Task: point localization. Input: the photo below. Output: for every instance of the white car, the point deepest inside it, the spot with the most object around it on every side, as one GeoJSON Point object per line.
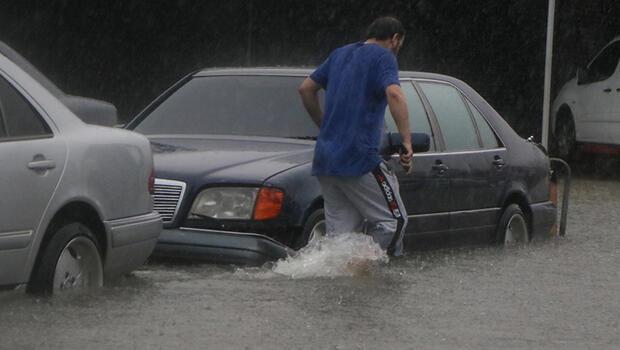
{"type": "Point", "coordinates": [75, 202]}
{"type": "Point", "coordinates": [587, 108]}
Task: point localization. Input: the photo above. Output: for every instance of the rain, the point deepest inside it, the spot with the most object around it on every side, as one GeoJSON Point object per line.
{"type": "Point", "coordinates": [447, 292]}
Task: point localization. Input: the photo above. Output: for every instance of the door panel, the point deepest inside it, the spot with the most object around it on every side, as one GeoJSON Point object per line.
{"type": "Point", "coordinates": [31, 161]}
{"type": "Point", "coordinates": [490, 171]}
{"type": "Point", "coordinates": [473, 156]}
{"type": "Point", "coordinates": [25, 193]}
{"type": "Point", "coordinates": [425, 192]}
{"type": "Point", "coordinates": [611, 133]}
{"type": "Point", "coordinates": [477, 185]}
{"type": "Point", "coordinates": [598, 112]}
{"type": "Point", "coordinates": [599, 98]}
{"type": "Point", "coordinates": [426, 195]}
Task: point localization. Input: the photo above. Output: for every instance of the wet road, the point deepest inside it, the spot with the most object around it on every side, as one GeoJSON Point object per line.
{"type": "Point", "coordinates": [559, 294]}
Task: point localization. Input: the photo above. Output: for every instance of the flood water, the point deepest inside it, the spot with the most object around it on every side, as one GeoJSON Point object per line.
{"type": "Point", "coordinates": [559, 294]}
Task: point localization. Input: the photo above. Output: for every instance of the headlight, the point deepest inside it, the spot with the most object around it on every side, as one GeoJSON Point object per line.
{"type": "Point", "coordinates": [225, 203]}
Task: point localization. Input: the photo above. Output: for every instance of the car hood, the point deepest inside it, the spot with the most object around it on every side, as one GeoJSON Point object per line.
{"type": "Point", "coordinates": [202, 160]}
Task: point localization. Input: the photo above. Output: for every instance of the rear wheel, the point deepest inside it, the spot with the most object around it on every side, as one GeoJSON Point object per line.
{"type": "Point", "coordinates": [513, 227]}
{"type": "Point", "coordinates": [70, 260]}
{"type": "Point", "coordinates": [314, 228]}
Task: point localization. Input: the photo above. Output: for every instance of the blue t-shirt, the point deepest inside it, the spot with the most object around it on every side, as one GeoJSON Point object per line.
{"type": "Point", "coordinates": [355, 78]}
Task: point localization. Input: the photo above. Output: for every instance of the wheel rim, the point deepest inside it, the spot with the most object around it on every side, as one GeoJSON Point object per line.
{"type": "Point", "coordinates": [318, 231]}
{"type": "Point", "coordinates": [78, 266]}
{"type": "Point", "coordinates": [516, 230]}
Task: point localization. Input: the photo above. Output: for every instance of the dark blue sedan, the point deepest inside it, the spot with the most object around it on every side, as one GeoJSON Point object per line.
{"type": "Point", "coordinates": [233, 151]}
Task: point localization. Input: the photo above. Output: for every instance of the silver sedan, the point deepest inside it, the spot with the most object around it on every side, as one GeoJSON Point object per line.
{"type": "Point", "coordinates": [75, 202]}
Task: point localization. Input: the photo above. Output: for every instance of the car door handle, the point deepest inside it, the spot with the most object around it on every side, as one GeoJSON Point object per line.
{"type": "Point", "coordinates": [441, 168]}
{"type": "Point", "coordinates": [499, 163]}
{"type": "Point", "coordinates": [608, 90]}
{"type": "Point", "coordinates": [42, 165]}
{"type": "Point", "coordinates": [618, 90]}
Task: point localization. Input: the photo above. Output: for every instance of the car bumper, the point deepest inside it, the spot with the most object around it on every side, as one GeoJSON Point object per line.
{"type": "Point", "coordinates": [219, 246]}
{"type": "Point", "coordinates": [131, 242]}
{"type": "Point", "coordinates": [544, 217]}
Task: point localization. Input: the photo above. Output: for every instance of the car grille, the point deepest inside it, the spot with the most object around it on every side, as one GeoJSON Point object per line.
{"type": "Point", "coordinates": [167, 198]}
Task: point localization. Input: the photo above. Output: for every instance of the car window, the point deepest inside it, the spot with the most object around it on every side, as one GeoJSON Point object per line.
{"type": "Point", "coordinates": [233, 105]}
{"type": "Point", "coordinates": [418, 119]}
{"type": "Point", "coordinates": [18, 117]}
{"type": "Point", "coordinates": [605, 64]}
{"type": "Point", "coordinates": [489, 139]}
{"type": "Point", "coordinates": [452, 115]}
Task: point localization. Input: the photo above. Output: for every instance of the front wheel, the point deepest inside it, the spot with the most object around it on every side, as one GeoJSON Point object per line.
{"type": "Point", "coordinates": [70, 260]}
{"type": "Point", "coordinates": [512, 227]}
{"type": "Point", "coordinates": [313, 229]}
{"type": "Point", "coordinates": [566, 138]}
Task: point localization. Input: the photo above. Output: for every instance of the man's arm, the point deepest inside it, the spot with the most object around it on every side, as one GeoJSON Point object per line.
{"type": "Point", "coordinates": [309, 92]}
{"type": "Point", "coordinates": [398, 107]}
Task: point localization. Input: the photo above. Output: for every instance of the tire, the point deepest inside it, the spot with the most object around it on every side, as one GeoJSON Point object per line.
{"type": "Point", "coordinates": [565, 133]}
{"type": "Point", "coordinates": [314, 226]}
{"type": "Point", "coordinates": [513, 227]}
{"type": "Point", "coordinates": [71, 259]}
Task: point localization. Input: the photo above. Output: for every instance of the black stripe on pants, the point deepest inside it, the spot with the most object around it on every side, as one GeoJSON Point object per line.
{"type": "Point", "coordinates": [392, 203]}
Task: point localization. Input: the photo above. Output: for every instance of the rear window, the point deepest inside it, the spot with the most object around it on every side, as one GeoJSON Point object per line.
{"type": "Point", "coordinates": [233, 105]}
{"type": "Point", "coordinates": [489, 140]}
{"type": "Point", "coordinates": [17, 116]}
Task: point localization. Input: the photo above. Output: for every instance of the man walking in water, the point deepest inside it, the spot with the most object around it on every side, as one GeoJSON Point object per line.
{"type": "Point", "coordinates": [360, 79]}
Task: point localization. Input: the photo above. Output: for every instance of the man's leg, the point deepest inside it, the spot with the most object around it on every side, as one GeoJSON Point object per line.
{"type": "Point", "coordinates": [376, 196]}
{"type": "Point", "coordinates": [341, 216]}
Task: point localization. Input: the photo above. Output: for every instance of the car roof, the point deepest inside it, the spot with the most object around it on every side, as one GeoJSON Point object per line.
{"type": "Point", "coordinates": [497, 121]}
{"type": "Point", "coordinates": [29, 68]}
{"type": "Point", "coordinates": [303, 72]}
{"type": "Point", "coordinates": [504, 130]}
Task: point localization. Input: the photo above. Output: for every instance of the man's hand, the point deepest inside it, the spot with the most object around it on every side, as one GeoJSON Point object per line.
{"type": "Point", "coordinates": [309, 92]}
{"type": "Point", "coordinates": [406, 158]}
{"type": "Point", "coordinates": [398, 107]}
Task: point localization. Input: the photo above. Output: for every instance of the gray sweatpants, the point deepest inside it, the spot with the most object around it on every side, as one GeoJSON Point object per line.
{"type": "Point", "coordinates": [373, 200]}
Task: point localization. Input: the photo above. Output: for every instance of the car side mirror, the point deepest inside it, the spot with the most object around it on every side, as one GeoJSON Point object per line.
{"type": "Point", "coordinates": [421, 142]}
{"type": "Point", "coordinates": [92, 111]}
{"type": "Point", "coordinates": [392, 143]}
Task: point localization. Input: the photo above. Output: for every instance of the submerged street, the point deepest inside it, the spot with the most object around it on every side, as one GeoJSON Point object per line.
{"type": "Point", "coordinates": [560, 294]}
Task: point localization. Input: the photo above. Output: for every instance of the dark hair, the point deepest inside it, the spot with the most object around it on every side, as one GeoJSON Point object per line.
{"type": "Point", "coordinates": [384, 28]}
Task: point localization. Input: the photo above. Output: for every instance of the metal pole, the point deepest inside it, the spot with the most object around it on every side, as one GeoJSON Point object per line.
{"type": "Point", "coordinates": [248, 53]}
{"type": "Point", "coordinates": [566, 194]}
{"type": "Point", "coordinates": [548, 63]}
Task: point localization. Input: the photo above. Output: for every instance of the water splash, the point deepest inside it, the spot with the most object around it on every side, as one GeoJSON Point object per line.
{"type": "Point", "coordinates": [349, 254]}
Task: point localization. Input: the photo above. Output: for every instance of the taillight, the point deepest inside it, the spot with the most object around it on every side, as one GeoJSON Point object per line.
{"type": "Point", "coordinates": [152, 181]}
{"type": "Point", "coordinates": [268, 203]}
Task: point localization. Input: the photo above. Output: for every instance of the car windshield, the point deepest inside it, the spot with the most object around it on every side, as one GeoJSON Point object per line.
{"type": "Point", "coordinates": [233, 105]}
